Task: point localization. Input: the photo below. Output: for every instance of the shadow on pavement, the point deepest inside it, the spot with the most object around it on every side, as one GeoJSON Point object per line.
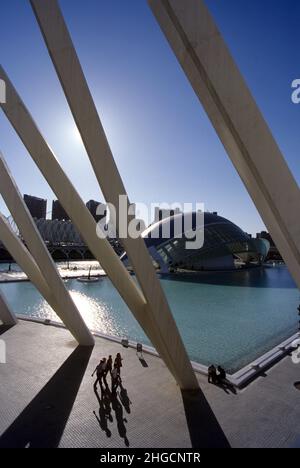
{"type": "Point", "coordinates": [204, 429]}
{"type": "Point", "coordinates": [143, 362]}
{"type": "Point", "coordinates": [43, 421]}
{"type": "Point", "coordinates": [116, 400]}
{"type": "Point", "coordinates": [5, 328]}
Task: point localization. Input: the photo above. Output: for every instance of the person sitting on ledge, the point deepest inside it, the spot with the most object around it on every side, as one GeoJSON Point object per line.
{"type": "Point", "coordinates": [212, 374]}
{"type": "Point", "coordinates": [221, 375]}
{"type": "Point", "coordinates": [223, 382]}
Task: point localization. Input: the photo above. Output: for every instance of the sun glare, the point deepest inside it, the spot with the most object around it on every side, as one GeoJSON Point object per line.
{"type": "Point", "coordinates": [75, 135]}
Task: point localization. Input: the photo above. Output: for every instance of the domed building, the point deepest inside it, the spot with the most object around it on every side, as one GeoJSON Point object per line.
{"type": "Point", "coordinates": [225, 247]}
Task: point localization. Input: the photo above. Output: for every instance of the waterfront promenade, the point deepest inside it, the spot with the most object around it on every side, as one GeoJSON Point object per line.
{"type": "Point", "coordinates": [47, 399]}
{"type": "Point", "coordinates": [67, 270]}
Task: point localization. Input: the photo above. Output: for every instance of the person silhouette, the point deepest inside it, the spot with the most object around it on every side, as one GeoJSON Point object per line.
{"type": "Point", "coordinates": [212, 374]}
{"type": "Point", "coordinates": [118, 363]}
{"type": "Point", "coordinates": [99, 372]}
{"type": "Point", "coordinates": [118, 409]}
{"type": "Point", "coordinates": [108, 368]}
{"type": "Point", "coordinates": [115, 379]}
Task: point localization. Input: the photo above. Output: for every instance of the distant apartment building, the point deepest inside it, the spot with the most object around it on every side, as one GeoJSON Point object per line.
{"type": "Point", "coordinates": [58, 212]}
{"type": "Point", "coordinates": [92, 206]}
{"type": "Point", "coordinates": [36, 206]}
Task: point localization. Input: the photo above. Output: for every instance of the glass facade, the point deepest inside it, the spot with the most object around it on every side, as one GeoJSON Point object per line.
{"type": "Point", "coordinates": [225, 246]}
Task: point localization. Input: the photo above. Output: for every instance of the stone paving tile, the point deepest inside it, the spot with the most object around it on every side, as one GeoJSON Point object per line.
{"type": "Point", "coordinates": [46, 393]}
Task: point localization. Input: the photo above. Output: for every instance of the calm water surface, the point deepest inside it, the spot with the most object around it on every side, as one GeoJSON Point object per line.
{"type": "Point", "coordinates": [224, 318]}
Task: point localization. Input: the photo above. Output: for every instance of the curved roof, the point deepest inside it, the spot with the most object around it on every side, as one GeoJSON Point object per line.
{"type": "Point", "coordinates": [223, 241]}
{"type": "Point", "coordinates": [153, 235]}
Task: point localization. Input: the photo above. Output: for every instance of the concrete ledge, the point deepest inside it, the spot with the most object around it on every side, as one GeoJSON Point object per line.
{"type": "Point", "coordinates": [239, 379]}
{"type": "Point", "coordinates": [249, 372]}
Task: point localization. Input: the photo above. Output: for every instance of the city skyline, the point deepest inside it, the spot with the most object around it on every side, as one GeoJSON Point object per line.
{"type": "Point", "coordinates": [162, 155]}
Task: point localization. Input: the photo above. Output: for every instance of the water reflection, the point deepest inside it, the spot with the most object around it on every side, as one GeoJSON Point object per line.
{"type": "Point", "coordinates": [228, 319]}
{"type": "Point", "coordinates": [264, 277]}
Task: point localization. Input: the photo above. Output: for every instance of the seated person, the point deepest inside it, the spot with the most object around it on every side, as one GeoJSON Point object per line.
{"type": "Point", "coordinates": [212, 374]}
{"type": "Point", "coordinates": [221, 374]}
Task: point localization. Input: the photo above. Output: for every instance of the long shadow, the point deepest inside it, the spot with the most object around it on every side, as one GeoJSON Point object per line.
{"type": "Point", "coordinates": [43, 421]}
{"type": "Point", "coordinates": [5, 328]}
{"type": "Point", "coordinates": [204, 429]}
{"type": "Point", "coordinates": [121, 421]}
{"type": "Point", "coordinates": [143, 362]}
{"type": "Point", "coordinates": [104, 411]}
{"type": "Point", "coordinates": [114, 400]}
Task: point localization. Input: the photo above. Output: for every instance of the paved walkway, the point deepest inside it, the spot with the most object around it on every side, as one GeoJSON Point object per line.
{"type": "Point", "coordinates": [47, 400]}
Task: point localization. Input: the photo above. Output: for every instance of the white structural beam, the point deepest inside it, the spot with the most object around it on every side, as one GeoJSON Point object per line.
{"type": "Point", "coordinates": [24, 259]}
{"type": "Point", "coordinates": [218, 83]}
{"type": "Point", "coordinates": [66, 308]}
{"type": "Point", "coordinates": [21, 120]}
{"type": "Point", "coordinates": [7, 317]}
{"type": "Point", "coordinates": [69, 71]}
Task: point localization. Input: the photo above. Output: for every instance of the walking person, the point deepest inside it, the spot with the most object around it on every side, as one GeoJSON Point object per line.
{"type": "Point", "coordinates": [109, 364]}
{"type": "Point", "coordinates": [118, 364]}
{"type": "Point", "coordinates": [99, 372]}
{"type": "Point", "coordinates": [115, 379]}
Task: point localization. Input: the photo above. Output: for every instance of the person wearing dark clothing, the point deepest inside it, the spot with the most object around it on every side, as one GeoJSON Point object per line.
{"type": "Point", "coordinates": [108, 368]}
{"type": "Point", "coordinates": [100, 369]}
{"type": "Point", "coordinates": [223, 382]}
{"type": "Point", "coordinates": [212, 374]}
{"type": "Point", "coordinates": [118, 363]}
{"type": "Point", "coordinates": [221, 374]}
{"type": "Point", "coordinates": [115, 379]}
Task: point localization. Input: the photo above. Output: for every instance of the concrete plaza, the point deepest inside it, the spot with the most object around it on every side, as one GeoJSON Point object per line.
{"type": "Point", "coordinates": [47, 399]}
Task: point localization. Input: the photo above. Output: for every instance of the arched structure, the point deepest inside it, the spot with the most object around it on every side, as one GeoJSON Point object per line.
{"type": "Point", "coordinates": [225, 246]}
{"type": "Point", "coordinates": [219, 85]}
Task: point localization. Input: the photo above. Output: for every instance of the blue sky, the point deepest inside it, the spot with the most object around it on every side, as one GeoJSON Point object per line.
{"type": "Point", "coordinates": [163, 142]}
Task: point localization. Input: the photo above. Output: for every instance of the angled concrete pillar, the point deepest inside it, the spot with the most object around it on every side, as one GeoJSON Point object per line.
{"type": "Point", "coordinates": [24, 259]}
{"type": "Point", "coordinates": [7, 317]}
{"type": "Point", "coordinates": [66, 308]}
{"type": "Point", "coordinates": [71, 76]}
{"type": "Point", "coordinates": [212, 72]}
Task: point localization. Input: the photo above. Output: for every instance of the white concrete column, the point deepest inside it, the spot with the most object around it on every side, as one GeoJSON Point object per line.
{"type": "Point", "coordinates": [24, 259]}
{"type": "Point", "coordinates": [71, 76]}
{"type": "Point", "coordinates": [218, 83]}
{"type": "Point", "coordinates": [66, 308]}
{"type": "Point", "coordinates": [7, 317]}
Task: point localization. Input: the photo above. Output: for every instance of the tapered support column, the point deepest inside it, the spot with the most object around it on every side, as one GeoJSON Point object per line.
{"type": "Point", "coordinates": [208, 64]}
{"type": "Point", "coordinates": [24, 259]}
{"type": "Point", "coordinates": [7, 317]}
{"type": "Point", "coordinates": [71, 76]}
{"type": "Point", "coordinates": [66, 308]}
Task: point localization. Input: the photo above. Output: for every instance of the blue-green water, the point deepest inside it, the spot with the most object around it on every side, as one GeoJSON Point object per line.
{"type": "Point", "coordinates": [224, 318]}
